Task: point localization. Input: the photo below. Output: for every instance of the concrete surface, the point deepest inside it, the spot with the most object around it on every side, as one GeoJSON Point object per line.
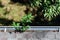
{"type": "Point", "coordinates": [38, 35]}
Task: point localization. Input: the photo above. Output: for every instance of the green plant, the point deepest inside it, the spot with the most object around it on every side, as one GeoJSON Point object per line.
{"type": "Point", "coordinates": [35, 3]}
{"type": "Point", "coordinates": [16, 25]}
{"type": "Point", "coordinates": [20, 28]}
{"type": "Point", "coordinates": [50, 8]}
{"type": "Point", "coordinates": [24, 28]}
{"type": "Point", "coordinates": [25, 19]}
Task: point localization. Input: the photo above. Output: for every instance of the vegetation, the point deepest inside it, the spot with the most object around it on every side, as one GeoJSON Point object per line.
{"type": "Point", "coordinates": [50, 8]}
{"type": "Point", "coordinates": [29, 12]}
{"type": "Point", "coordinates": [11, 11]}
{"type": "Point", "coordinates": [25, 19]}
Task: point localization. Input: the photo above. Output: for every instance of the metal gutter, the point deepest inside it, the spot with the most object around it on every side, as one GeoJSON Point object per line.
{"type": "Point", "coordinates": [32, 28]}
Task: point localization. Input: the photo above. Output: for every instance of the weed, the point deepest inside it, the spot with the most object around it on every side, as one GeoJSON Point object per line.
{"type": "Point", "coordinates": [25, 19]}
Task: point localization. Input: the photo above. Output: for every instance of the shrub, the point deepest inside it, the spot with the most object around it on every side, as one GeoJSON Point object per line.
{"type": "Point", "coordinates": [50, 8]}
{"type": "Point", "coordinates": [10, 11]}
{"type": "Point", "coordinates": [35, 3]}
{"type": "Point", "coordinates": [26, 19]}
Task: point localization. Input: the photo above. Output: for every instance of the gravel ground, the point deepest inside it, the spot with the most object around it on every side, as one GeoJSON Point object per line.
{"type": "Point", "coordinates": [38, 35]}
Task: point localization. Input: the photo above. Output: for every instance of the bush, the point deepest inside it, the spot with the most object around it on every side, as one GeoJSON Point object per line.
{"type": "Point", "coordinates": [26, 19]}
{"type": "Point", "coordinates": [50, 8]}
{"type": "Point", "coordinates": [11, 12]}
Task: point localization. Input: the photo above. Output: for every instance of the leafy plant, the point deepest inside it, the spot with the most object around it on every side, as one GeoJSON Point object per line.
{"type": "Point", "coordinates": [25, 19]}
{"type": "Point", "coordinates": [35, 3]}
{"type": "Point", "coordinates": [50, 8]}
{"type": "Point", "coordinates": [51, 12]}
{"type": "Point", "coordinates": [24, 28]}
{"type": "Point", "coordinates": [16, 25]}
{"type": "Point", "coordinates": [20, 28]}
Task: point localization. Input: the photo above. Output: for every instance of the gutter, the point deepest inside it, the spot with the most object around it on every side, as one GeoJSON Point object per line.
{"type": "Point", "coordinates": [35, 28]}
